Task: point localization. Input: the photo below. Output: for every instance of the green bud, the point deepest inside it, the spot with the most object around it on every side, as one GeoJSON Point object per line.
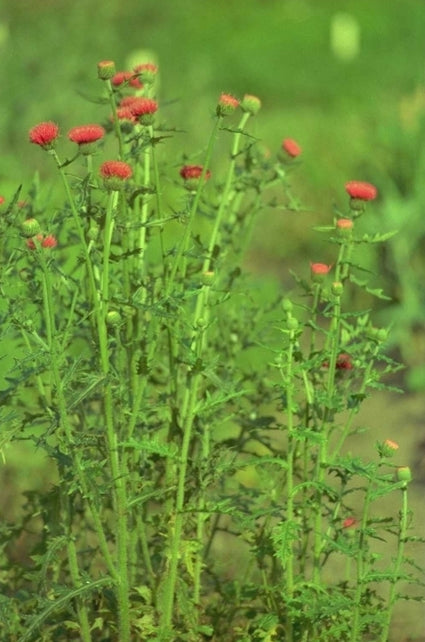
{"type": "Point", "coordinates": [113, 319]}
{"type": "Point", "coordinates": [30, 228]}
{"type": "Point", "coordinates": [403, 473]}
{"type": "Point", "coordinates": [292, 323]}
{"type": "Point", "coordinates": [287, 305]}
{"type": "Point", "coordinates": [337, 288]}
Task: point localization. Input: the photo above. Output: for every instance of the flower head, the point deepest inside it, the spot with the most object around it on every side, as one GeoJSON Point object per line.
{"type": "Point", "coordinates": [319, 271]}
{"type": "Point", "coordinates": [146, 72]}
{"type": "Point", "coordinates": [251, 104]}
{"type": "Point", "coordinates": [388, 448]}
{"type": "Point", "coordinates": [115, 173]}
{"type": "Point", "coordinates": [193, 171]}
{"type": "Point", "coordinates": [105, 69]}
{"type": "Point", "coordinates": [361, 191]}
{"type": "Point", "coordinates": [45, 242]}
{"type": "Point", "coordinates": [44, 134]}
{"type": "Point", "coordinates": [227, 104]}
{"type": "Point", "coordinates": [143, 109]}
{"type": "Point", "coordinates": [404, 474]}
{"type": "Point", "coordinates": [2, 200]}
{"type": "Point", "coordinates": [86, 134]}
{"type": "Point", "coordinates": [291, 147]}
{"type": "Point", "coordinates": [191, 175]}
{"type": "Point", "coordinates": [343, 362]}
{"type": "Point", "coordinates": [350, 522]}
{"type": "Point", "coordinates": [121, 77]}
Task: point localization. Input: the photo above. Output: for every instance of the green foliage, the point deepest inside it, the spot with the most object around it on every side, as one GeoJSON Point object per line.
{"type": "Point", "coordinates": [185, 413]}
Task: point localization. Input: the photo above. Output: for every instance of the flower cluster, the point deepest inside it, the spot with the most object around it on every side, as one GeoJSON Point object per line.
{"type": "Point", "coordinates": [45, 242]}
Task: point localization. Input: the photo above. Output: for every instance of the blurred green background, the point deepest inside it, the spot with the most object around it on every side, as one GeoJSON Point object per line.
{"type": "Point", "coordinates": [346, 79]}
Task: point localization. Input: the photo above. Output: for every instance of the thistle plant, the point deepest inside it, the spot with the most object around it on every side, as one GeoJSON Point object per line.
{"type": "Point", "coordinates": [184, 413]}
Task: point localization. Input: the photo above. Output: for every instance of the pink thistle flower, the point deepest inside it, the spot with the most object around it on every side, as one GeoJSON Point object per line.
{"type": "Point", "coordinates": [84, 134]}
{"type": "Point", "coordinates": [44, 134]}
{"type": "Point", "coordinates": [361, 191]}
{"type": "Point", "coordinates": [291, 147]}
{"type": "Point", "coordinates": [227, 104]}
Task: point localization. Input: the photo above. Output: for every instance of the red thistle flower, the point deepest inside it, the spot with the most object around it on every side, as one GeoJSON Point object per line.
{"type": "Point", "coordinates": [344, 224]}
{"type": "Point", "coordinates": [291, 147]}
{"type": "Point", "coordinates": [140, 106]}
{"type": "Point", "coordinates": [116, 169]}
{"type": "Point", "coordinates": [319, 271]}
{"type": "Point", "coordinates": [143, 109]}
{"type": "Point", "coordinates": [193, 171]}
{"type": "Point", "coordinates": [350, 522]}
{"type": "Point", "coordinates": [361, 191]}
{"type": "Point", "coordinates": [44, 134]}
{"type": "Point", "coordinates": [2, 200]}
{"type": "Point", "coordinates": [85, 134]}
{"type": "Point", "coordinates": [146, 72]}
{"type": "Point", "coordinates": [125, 113]}
{"type": "Point", "coordinates": [392, 445]}
{"type": "Point", "coordinates": [115, 173]}
{"type": "Point", "coordinates": [121, 77]}
{"type": "Point", "coordinates": [343, 362]}
{"type": "Point", "coordinates": [48, 241]}
{"type": "Point", "coordinates": [227, 104]}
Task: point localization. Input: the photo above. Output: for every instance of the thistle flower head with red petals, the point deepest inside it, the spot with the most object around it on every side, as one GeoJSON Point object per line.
{"type": "Point", "coordinates": [115, 173]}
{"type": "Point", "coordinates": [85, 134]}
{"type": "Point", "coordinates": [227, 104]}
{"type": "Point", "coordinates": [361, 191]}
{"type": "Point", "coordinates": [291, 147]}
{"type": "Point", "coordinates": [44, 134]}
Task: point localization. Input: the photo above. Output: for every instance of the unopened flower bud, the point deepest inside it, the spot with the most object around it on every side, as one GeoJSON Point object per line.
{"type": "Point", "coordinates": [113, 318]}
{"type": "Point", "coordinates": [404, 474]}
{"type": "Point", "coordinates": [388, 448]}
{"type": "Point", "coordinates": [319, 271]}
{"type": "Point", "coordinates": [337, 288]}
{"type": "Point", "coordinates": [207, 278]}
{"type": "Point", "coordinates": [292, 323]}
{"type": "Point", "coordinates": [227, 104]}
{"type": "Point", "coordinates": [251, 104]}
{"type": "Point", "coordinates": [344, 227]}
{"type": "Point", "coordinates": [30, 227]}
{"type": "Point", "coordinates": [287, 305]}
{"type": "Point", "coordinates": [105, 69]}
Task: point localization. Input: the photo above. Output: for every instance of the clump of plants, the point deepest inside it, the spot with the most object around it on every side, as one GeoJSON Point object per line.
{"type": "Point", "coordinates": [196, 426]}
